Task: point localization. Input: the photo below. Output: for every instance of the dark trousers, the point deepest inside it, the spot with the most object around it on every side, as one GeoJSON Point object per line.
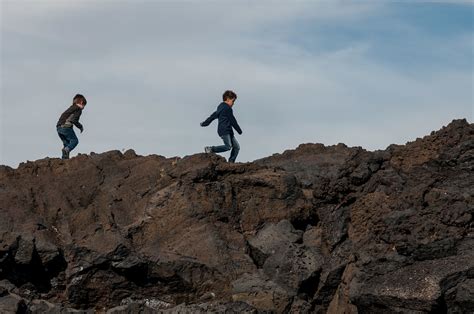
{"type": "Point", "coordinates": [230, 142]}
{"type": "Point", "coordinates": [68, 137]}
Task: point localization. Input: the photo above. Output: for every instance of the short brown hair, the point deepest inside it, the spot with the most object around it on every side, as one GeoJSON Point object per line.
{"type": "Point", "coordinates": [79, 98]}
{"type": "Point", "coordinates": [228, 94]}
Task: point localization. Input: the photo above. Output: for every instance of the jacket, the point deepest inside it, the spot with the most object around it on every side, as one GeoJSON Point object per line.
{"type": "Point", "coordinates": [70, 117]}
{"type": "Point", "coordinates": [227, 121]}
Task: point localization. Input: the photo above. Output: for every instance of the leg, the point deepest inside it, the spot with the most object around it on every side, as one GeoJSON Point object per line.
{"type": "Point", "coordinates": [62, 137]}
{"type": "Point", "coordinates": [235, 149]}
{"type": "Point", "coordinates": [223, 148]}
{"type": "Point", "coordinates": [69, 139]}
{"type": "Point", "coordinates": [73, 140]}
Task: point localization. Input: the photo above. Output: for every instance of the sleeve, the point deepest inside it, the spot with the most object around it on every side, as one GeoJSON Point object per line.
{"type": "Point", "coordinates": [75, 119]}
{"type": "Point", "coordinates": [210, 119]}
{"type": "Point", "coordinates": [235, 125]}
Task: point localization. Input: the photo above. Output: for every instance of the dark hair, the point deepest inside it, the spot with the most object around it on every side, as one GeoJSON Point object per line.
{"type": "Point", "coordinates": [228, 94]}
{"type": "Point", "coordinates": [79, 98]}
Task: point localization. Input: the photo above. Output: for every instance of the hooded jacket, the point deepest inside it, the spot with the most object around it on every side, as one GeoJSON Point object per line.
{"type": "Point", "coordinates": [227, 121]}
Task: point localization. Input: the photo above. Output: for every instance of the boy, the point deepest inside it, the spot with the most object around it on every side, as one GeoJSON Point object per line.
{"type": "Point", "coordinates": [227, 123]}
{"type": "Point", "coordinates": [64, 126]}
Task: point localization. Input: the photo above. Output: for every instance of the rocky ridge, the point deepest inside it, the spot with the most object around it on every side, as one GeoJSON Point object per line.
{"type": "Point", "coordinates": [313, 230]}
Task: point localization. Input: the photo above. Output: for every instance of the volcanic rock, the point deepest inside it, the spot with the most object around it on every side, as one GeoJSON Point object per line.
{"type": "Point", "coordinates": [312, 230]}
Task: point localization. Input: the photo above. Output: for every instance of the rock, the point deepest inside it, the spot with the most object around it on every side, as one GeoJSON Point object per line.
{"type": "Point", "coordinates": [295, 269]}
{"type": "Point", "coordinates": [335, 221]}
{"type": "Point", "coordinates": [340, 301]}
{"type": "Point", "coordinates": [271, 238]}
{"type": "Point", "coordinates": [313, 238]}
{"type": "Point", "coordinates": [24, 252]}
{"type": "Point", "coordinates": [47, 252]}
{"type": "Point", "coordinates": [300, 307]}
{"type": "Point", "coordinates": [461, 298]}
{"type": "Point", "coordinates": [230, 307]}
{"type": "Point", "coordinates": [261, 293]}
{"type": "Point", "coordinates": [318, 228]}
{"type": "Point", "coordinates": [11, 303]}
{"type": "Point", "coordinates": [132, 308]}
{"type": "Point", "coordinates": [418, 287]}
{"type": "Point", "coordinates": [6, 287]}
{"type": "Point", "coordinates": [150, 305]}
{"type": "Point", "coordinates": [41, 306]}
{"type": "Point", "coordinates": [328, 283]}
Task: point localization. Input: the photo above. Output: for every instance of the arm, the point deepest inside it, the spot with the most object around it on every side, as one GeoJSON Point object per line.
{"type": "Point", "coordinates": [79, 126]}
{"type": "Point", "coordinates": [235, 125]}
{"type": "Point", "coordinates": [210, 119]}
{"type": "Point", "coordinates": [75, 120]}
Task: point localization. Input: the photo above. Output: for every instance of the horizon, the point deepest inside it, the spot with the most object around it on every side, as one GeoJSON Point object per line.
{"type": "Point", "coordinates": [123, 151]}
{"type": "Point", "coordinates": [367, 74]}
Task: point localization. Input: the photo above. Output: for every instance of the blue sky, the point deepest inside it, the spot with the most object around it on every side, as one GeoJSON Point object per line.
{"type": "Point", "coordinates": [406, 36]}
{"type": "Point", "coordinates": [365, 73]}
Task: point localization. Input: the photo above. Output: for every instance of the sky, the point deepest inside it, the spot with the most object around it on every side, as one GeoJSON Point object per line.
{"type": "Point", "coordinates": [363, 73]}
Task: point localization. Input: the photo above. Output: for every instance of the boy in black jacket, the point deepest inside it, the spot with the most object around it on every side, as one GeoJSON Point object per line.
{"type": "Point", "coordinates": [64, 126]}
{"type": "Point", "coordinates": [227, 123]}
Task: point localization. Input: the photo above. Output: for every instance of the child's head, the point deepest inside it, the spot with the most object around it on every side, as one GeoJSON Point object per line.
{"type": "Point", "coordinates": [229, 97]}
{"type": "Point", "coordinates": [79, 100]}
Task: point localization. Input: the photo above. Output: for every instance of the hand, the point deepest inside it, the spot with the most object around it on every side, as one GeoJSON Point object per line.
{"type": "Point", "coordinates": [81, 129]}
{"type": "Point", "coordinates": [240, 133]}
{"type": "Point", "coordinates": [202, 124]}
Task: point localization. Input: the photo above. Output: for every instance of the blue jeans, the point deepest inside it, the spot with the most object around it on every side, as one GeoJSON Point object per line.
{"type": "Point", "coordinates": [68, 137]}
{"type": "Point", "coordinates": [230, 142]}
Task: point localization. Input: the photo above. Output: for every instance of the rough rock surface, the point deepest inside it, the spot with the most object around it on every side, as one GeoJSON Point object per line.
{"type": "Point", "coordinates": [313, 230]}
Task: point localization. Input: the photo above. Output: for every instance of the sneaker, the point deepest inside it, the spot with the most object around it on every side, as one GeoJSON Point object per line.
{"type": "Point", "coordinates": [208, 149]}
{"type": "Point", "coordinates": [65, 151]}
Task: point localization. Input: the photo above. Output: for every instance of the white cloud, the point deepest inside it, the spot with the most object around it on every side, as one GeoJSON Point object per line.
{"type": "Point", "coordinates": [153, 70]}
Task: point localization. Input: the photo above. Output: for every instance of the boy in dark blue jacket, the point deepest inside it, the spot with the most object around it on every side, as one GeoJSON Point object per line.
{"type": "Point", "coordinates": [227, 123]}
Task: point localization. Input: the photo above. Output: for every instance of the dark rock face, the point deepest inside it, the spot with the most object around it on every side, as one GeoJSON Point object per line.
{"type": "Point", "coordinates": [313, 230]}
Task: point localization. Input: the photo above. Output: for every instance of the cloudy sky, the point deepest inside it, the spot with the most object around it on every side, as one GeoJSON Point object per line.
{"type": "Point", "coordinates": [365, 73]}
